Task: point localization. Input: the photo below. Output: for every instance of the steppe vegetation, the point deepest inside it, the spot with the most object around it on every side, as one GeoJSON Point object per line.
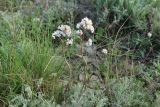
{"type": "Point", "coordinates": [80, 53]}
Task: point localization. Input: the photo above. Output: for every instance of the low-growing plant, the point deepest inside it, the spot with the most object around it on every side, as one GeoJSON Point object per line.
{"type": "Point", "coordinates": [128, 92]}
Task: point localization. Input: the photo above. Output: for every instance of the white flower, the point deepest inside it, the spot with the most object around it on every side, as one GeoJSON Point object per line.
{"type": "Point", "coordinates": [57, 33]}
{"type": "Point", "coordinates": [105, 51]}
{"type": "Point", "coordinates": [54, 37]}
{"type": "Point", "coordinates": [78, 26]}
{"type": "Point", "coordinates": [86, 24]}
{"type": "Point", "coordinates": [89, 42]}
{"type": "Point", "coordinates": [149, 34]}
{"type": "Point", "coordinates": [65, 29]}
{"type": "Point", "coordinates": [79, 32]}
{"type": "Point", "coordinates": [69, 41]}
{"type": "Point", "coordinates": [87, 21]}
{"type": "Point", "coordinates": [91, 28]}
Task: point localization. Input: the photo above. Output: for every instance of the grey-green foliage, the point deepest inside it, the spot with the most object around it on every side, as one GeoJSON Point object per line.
{"type": "Point", "coordinates": [28, 99]}
{"type": "Point", "coordinates": [59, 12]}
{"type": "Point", "coordinates": [120, 10]}
{"type": "Point", "coordinates": [128, 92]}
{"type": "Point", "coordinates": [5, 4]}
{"type": "Point", "coordinates": [156, 18]}
{"type": "Point", "coordinates": [157, 101]}
{"type": "Point", "coordinates": [79, 96]}
{"type": "Point", "coordinates": [137, 18]}
{"type": "Point", "coordinates": [82, 96]}
{"type": "Point", "coordinates": [21, 101]}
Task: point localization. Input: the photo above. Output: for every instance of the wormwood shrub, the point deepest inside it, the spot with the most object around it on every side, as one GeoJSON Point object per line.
{"type": "Point", "coordinates": [85, 97]}
{"type": "Point", "coordinates": [128, 92]}
{"type": "Point", "coordinates": [124, 92]}
{"type": "Point", "coordinates": [78, 96]}
{"type": "Point", "coordinates": [30, 100]}
{"type": "Point", "coordinates": [157, 101]}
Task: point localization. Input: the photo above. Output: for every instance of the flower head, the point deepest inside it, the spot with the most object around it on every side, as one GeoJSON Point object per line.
{"type": "Point", "coordinates": [57, 33]}
{"type": "Point", "coordinates": [149, 34]}
{"type": "Point", "coordinates": [78, 26]}
{"type": "Point", "coordinates": [79, 32]}
{"type": "Point", "coordinates": [91, 28]}
{"type": "Point", "coordinates": [89, 42]}
{"type": "Point", "coordinates": [86, 24]}
{"type": "Point", "coordinates": [105, 51]}
{"type": "Point", "coordinates": [65, 29]}
{"type": "Point", "coordinates": [69, 41]}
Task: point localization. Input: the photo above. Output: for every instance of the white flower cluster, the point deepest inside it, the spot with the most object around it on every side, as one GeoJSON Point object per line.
{"type": "Point", "coordinates": [86, 24]}
{"type": "Point", "coordinates": [79, 32]}
{"type": "Point", "coordinates": [89, 42]}
{"type": "Point", "coordinates": [63, 30]}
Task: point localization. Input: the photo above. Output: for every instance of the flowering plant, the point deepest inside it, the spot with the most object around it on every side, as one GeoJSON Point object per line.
{"type": "Point", "coordinates": [63, 31]}
{"type": "Point", "coordinates": [85, 30]}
